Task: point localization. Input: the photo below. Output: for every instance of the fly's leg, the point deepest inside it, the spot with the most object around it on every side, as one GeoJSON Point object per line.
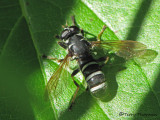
{"type": "Point", "coordinates": [51, 58]}
{"type": "Point", "coordinates": [107, 59]}
{"type": "Point", "coordinates": [62, 44]}
{"type": "Point", "coordinates": [103, 59]}
{"type": "Point", "coordinates": [100, 34]}
{"type": "Point", "coordinates": [77, 89]}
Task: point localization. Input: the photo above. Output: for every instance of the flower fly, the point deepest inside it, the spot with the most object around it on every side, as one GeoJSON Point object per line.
{"type": "Point", "coordinates": [72, 39]}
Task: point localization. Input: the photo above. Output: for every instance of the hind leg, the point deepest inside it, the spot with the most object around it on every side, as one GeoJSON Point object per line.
{"type": "Point", "coordinates": [100, 34]}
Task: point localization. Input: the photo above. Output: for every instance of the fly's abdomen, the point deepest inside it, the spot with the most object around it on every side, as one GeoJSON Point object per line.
{"type": "Point", "coordinates": [97, 84]}
{"type": "Point", "coordinates": [95, 78]}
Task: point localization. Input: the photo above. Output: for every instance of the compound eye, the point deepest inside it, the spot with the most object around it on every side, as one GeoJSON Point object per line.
{"type": "Point", "coordinates": [64, 33]}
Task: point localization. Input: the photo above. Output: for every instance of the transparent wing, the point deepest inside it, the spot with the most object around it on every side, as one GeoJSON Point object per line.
{"type": "Point", "coordinates": [57, 80]}
{"type": "Point", "coordinates": [127, 49]}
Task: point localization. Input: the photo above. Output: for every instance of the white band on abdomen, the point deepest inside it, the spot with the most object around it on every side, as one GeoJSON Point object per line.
{"type": "Point", "coordinates": [93, 74]}
{"type": "Point", "coordinates": [98, 87]}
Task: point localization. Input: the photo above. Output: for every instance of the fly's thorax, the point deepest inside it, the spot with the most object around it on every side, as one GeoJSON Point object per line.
{"type": "Point", "coordinates": [78, 46]}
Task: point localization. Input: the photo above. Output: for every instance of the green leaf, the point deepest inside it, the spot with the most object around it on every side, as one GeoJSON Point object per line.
{"type": "Point", "coordinates": [27, 30]}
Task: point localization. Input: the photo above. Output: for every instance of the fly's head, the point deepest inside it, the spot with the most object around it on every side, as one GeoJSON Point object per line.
{"type": "Point", "coordinates": [69, 32]}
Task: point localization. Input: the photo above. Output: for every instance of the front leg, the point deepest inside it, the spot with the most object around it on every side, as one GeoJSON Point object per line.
{"type": "Point", "coordinates": [63, 44]}
{"type": "Point", "coordinates": [51, 58]}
